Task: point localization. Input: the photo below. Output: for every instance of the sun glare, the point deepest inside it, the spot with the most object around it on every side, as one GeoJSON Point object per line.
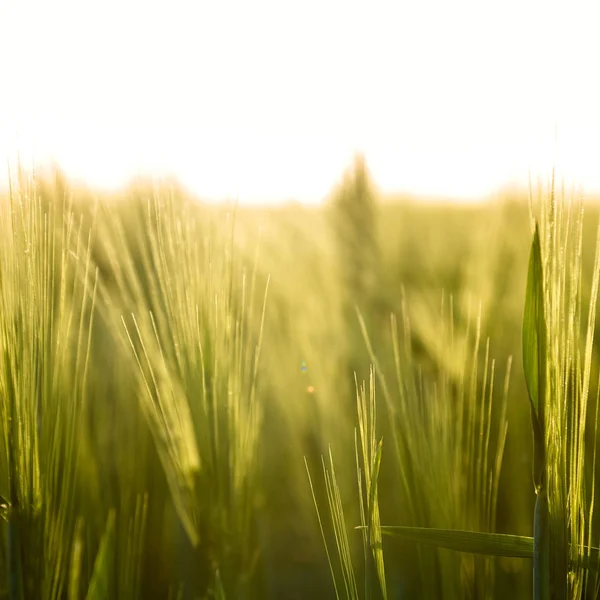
{"type": "Point", "coordinates": [268, 100]}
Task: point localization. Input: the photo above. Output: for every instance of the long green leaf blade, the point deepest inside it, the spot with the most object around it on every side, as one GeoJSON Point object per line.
{"type": "Point", "coordinates": [474, 542]}
{"type": "Point", "coordinates": [534, 356]}
{"type": "Point", "coordinates": [534, 298]}
{"type": "Point", "coordinates": [477, 542]}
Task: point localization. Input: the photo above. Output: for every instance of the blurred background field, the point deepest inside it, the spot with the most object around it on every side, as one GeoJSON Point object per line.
{"type": "Point", "coordinates": [169, 367]}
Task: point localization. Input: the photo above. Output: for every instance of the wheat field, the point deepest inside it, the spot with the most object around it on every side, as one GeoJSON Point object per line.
{"type": "Point", "coordinates": [226, 402]}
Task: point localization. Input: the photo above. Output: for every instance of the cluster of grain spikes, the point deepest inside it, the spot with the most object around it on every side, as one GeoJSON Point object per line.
{"type": "Point", "coordinates": [48, 290]}
{"type": "Point", "coordinates": [558, 341]}
{"type": "Point", "coordinates": [448, 433]}
{"type": "Point", "coordinates": [557, 360]}
{"type": "Point", "coordinates": [558, 337]}
{"type": "Point", "coordinates": [368, 450]}
{"type": "Point", "coordinates": [194, 325]}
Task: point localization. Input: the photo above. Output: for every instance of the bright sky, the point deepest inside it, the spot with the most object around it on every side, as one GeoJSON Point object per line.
{"type": "Point", "coordinates": [269, 99]}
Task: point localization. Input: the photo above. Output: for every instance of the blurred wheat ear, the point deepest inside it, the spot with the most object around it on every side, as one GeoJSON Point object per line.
{"type": "Point", "coordinates": [194, 326]}
{"type": "Point", "coordinates": [47, 306]}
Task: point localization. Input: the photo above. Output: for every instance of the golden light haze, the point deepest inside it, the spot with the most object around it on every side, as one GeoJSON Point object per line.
{"type": "Point", "coordinates": [268, 100]}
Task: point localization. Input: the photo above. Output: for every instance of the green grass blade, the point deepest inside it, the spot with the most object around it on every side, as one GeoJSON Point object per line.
{"type": "Point", "coordinates": [473, 542]}
{"type": "Point", "coordinates": [534, 357]}
{"type": "Point", "coordinates": [476, 542]}
{"type": "Point", "coordinates": [374, 478]}
{"type": "Point", "coordinates": [374, 519]}
{"type": "Point", "coordinates": [331, 569]}
{"type": "Point", "coordinates": [533, 307]}
{"type": "Point", "coordinates": [100, 584]}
